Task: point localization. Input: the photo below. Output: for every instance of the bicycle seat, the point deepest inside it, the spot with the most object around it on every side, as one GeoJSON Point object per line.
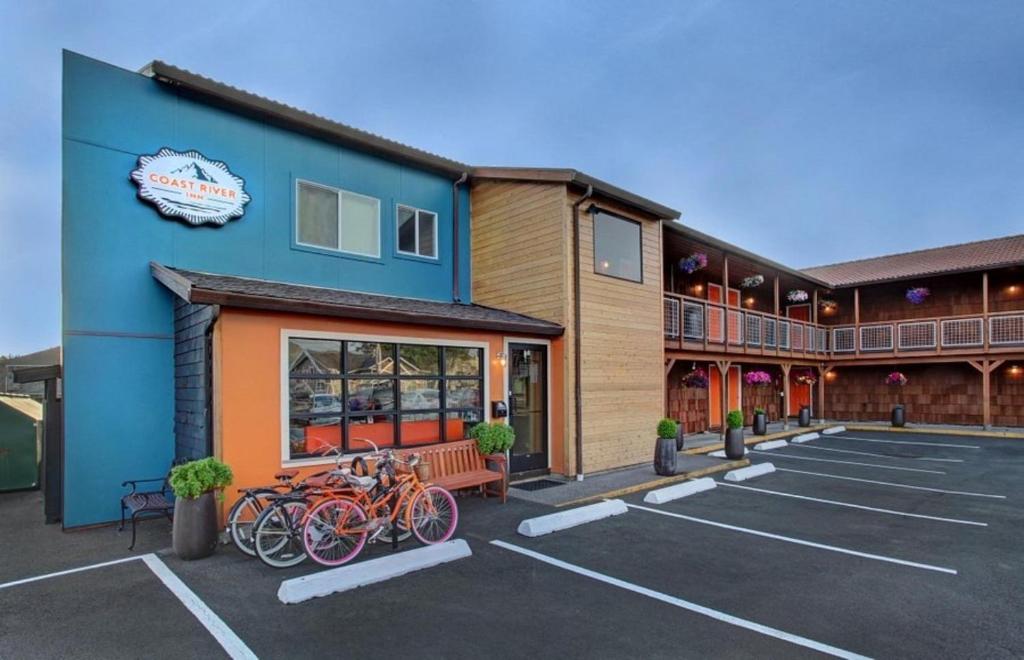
{"type": "Point", "coordinates": [364, 483]}
{"type": "Point", "coordinates": [286, 475]}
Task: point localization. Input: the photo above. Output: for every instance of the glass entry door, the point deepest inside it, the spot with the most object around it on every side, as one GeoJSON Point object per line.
{"type": "Point", "coordinates": [528, 406]}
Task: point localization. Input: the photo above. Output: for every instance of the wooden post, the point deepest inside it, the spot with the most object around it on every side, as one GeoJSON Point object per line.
{"type": "Point", "coordinates": [725, 303]}
{"type": "Point", "coordinates": [814, 307]}
{"type": "Point", "coordinates": [856, 321]}
{"type": "Point", "coordinates": [823, 371]}
{"type": "Point", "coordinates": [776, 308]}
{"type": "Point", "coordinates": [723, 370]}
{"type": "Point", "coordinates": [984, 307]}
{"type": "Point", "coordinates": [786, 366]}
{"type": "Point", "coordinates": [986, 367]}
{"type": "Point", "coordinates": [669, 363]}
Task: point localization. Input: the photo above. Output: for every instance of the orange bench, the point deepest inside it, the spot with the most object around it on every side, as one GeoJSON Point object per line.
{"type": "Point", "coordinates": [458, 465]}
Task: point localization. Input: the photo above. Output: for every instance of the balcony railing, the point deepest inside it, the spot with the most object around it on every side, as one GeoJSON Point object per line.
{"type": "Point", "coordinates": [692, 321]}
{"type": "Point", "coordinates": [695, 321]}
{"type": "Point", "coordinates": [930, 335]}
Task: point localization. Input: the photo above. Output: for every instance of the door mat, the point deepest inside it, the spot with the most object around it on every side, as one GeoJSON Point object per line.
{"type": "Point", "coordinates": [539, 484]}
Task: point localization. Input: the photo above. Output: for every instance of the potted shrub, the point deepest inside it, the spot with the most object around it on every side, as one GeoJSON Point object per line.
{"type": "Point", "coordinates": [196, 486]}
{"type": "Point", "coordinates": [734, 434]}
{"type": "Point", "coordinates": [760, 421]}
{"type": "Point", "coordinates": [494, 438]}
{"type": "Point", "coordinates": [897, 380]}
{"type": "Point", "coordinates": [665, 448]}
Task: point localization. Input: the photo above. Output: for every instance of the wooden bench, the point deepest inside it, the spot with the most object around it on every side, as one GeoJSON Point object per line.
{"type": "Point", "coordinates": [458, 465]}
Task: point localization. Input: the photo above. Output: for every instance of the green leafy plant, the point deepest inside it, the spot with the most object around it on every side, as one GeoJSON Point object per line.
{"type": "Point", "coordinates": [759, 410]}
{"type": "Point", "coordinates": [493, 438]}
{"type": "Point", "coordinates": [734, 419]}
{"type": "Point", "coordinates": [667, 428]}
{"type": "Point", "coordinates": [197, 477]}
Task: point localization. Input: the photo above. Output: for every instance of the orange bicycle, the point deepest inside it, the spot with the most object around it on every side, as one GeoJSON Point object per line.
{"type": "Point", "coordinates": [337, 527]}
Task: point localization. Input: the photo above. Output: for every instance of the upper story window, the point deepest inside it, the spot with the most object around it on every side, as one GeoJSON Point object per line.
{"type": "Point", "coordinates": [617, 249]}
{"type": "Point", "coordinates": [336, 219]}
{"type": "Point", "coordinates": [417, 232]}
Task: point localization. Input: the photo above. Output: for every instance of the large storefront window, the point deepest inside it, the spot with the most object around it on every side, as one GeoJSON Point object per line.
{"type": "Point", "coordinates": [397, 395]}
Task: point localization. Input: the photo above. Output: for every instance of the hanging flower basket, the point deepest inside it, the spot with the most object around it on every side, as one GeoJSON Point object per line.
{"type": "Point", "coordinates": [757, 378]}
{"type": "Point", "coordinates": [752, 282]}
{"type": "Point", "coordinates": [693, 263]}
{"type": "Point", "coordinates": [918, 295]}
{"type": "Point", "coordinates": [797, 296]}
{"type": "Point", "coordinates": [696, 379]}
{"type": "Point", "coordinates": [804, 377]}
{"type": "Point", "coordinates": [896, 379]}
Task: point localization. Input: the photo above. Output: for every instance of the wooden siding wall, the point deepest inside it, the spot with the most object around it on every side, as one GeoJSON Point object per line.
{"type": "Point", "coordinates": [193, 388]}
{"type": "Point", "coordinates": [951, 296]}
{"type": "Point", "coordinates": [519, 241]}
{"type": "Point", "coordinates": [521, 262]}
{"type": "Point", "coordinates": [934, 394]}
{"type": "Point", "coordinates": [623, 370]}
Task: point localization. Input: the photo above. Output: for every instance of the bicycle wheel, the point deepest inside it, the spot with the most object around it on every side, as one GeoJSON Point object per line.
{"type": "Point", "coordinates": [335, 531]}
{"type": "Point", "coordinates": [277, 534]}
{"type": "Point", "coordinates": [433, 515]}
{"type": "Point", "coordinates": [241, 519]}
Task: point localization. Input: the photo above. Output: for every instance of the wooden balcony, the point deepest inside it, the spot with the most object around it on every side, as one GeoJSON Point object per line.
{"type": "Point", "coordinates": [693, 324]}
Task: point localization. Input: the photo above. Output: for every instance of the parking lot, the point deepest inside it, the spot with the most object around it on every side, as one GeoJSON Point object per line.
{"type": "Point", "coordinates": [862, 544]}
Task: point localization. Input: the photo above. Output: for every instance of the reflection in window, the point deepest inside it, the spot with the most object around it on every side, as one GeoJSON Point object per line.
{"type": "Point", "coordinates": [617, 247]}
{"type": "Point", "coordinates": [342, 392]}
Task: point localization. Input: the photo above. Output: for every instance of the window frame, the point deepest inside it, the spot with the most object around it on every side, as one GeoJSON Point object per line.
{"type": "Point", "coordinates": [340, 193]}
{"type": "Point", "coordinates": [396, 413]}
{"type": "Point", "coordinates": [640, 244]}
{"type": "Point", "coordinates": [417, 211]}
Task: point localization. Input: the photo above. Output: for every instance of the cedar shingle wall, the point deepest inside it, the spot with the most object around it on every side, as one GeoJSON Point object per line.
{"type": "Point", "coordinates": [192, 384]}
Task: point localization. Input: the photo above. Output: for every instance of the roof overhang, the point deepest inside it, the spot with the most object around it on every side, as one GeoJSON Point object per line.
{"type": "Point", "coordinates": [579, 179]}
{"type": "Point", "coordinates": [372, 307]}
{"type": "Point", "coordinates": [36, 374]}
{"type": "Point", "coordinates": [729, 248]}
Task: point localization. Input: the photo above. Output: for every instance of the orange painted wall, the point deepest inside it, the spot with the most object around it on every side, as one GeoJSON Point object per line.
{"type": "Point", "coordinates": [247, 376]}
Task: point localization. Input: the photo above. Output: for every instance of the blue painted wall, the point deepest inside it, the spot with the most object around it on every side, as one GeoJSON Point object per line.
{"type": "Point", "coordinates": [118, 322]}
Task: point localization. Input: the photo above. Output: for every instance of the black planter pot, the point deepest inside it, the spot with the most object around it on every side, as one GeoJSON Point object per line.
{"type": "Point", "coordinates": [665, 457]}
{"type": "Point", "coordinates": [760, 424]}
{"type": "Point", "coordinates": [734, 443]}
{"type": "Point", "coordinates": [679, 437]}
{"type": "Point", "coordinates": [194, 532]}
{"type": "Point", "coordinates": [899, 416]}
{"type": "Point", "coordinates": [805, 416]}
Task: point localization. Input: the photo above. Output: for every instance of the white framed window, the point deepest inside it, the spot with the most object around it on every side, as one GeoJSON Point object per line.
{"type": "Point", "coordinates": [416, 231]}
{"type": "Point", "coordinates": [334, 219]}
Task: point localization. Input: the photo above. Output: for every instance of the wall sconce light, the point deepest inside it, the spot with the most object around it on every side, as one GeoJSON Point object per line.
{"type": "Point", "coordinates": [832, 375]}
{"type": "Point", "coordinates": [698, 288]}
{"type": "Point", "coordinates": [1016, 371]}
{"type": "Point", "coordinates": [1013, 289]}
{"type": "Point", "coordinates": [503, 358]}
{"type": "Point", "coordinates": [750, 301]}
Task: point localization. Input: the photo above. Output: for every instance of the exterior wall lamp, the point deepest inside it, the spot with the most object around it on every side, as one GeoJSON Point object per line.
{"type": "Point", "coordinates": [503, 358]}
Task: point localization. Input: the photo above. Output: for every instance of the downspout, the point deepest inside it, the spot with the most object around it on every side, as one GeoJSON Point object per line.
{"type": "Point", "coordinates": [456, 292]}
{"type": "Point", "coordinates": [208, 341]}
{"type": "Point", "coordinates": [577, 332]}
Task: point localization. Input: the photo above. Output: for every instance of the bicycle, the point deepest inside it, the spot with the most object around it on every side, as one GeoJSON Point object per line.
{"type": "Point", "coordinates": [247, 508]}
{"type": "Point", "coordinates": [337, 528]}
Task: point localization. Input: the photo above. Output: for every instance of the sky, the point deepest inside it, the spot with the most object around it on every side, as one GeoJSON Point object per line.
{"type": "Point", "coordinates": [806, 131]}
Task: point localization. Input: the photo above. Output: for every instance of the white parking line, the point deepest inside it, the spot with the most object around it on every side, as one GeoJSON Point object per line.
{"type": "Point", "coordinates": [68, 572]}
{"type": "Point", "coordinates": [889, 483]}
{"type": "Point", "coordinates": [829, 460]}
{"type": "Point", "coordinates": [788, 539]}
{"type": "Point", "coordinates": [857, 506]}
{"type": "Point", "coordinates": [903, 442]}
{"type": "Point", "coordinates": [682, 604]}
{"type": "Point", "coordinates": [866, 453]}
{"type": "Point", "coordinates": [229, 641]}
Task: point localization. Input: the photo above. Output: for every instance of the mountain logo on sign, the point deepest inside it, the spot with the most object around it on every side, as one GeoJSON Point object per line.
{"type": "Point", "coordinates": [195, 171]}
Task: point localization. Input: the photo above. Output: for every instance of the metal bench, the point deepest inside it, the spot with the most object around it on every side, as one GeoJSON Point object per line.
{"type": "Point", "coordinates": [146, 503]}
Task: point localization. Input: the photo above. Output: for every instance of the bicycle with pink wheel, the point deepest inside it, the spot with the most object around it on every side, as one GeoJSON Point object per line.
{"type": "Point", "coordinates": [337, 527]}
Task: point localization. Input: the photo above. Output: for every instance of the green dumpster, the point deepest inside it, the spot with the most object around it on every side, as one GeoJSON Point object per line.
{"type": "Point", "coordinates": [21, 425]}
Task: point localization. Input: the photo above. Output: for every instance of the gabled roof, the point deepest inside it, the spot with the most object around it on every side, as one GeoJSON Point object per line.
{"type": "Point", "coordinates": [231, 291]}
{"type": "Point", "coordinates": [959, 258]}
{"type": "Point", "coordinates": [23, 404]}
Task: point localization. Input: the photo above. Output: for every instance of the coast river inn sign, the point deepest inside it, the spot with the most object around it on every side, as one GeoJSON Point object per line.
{"type": "Point", "coordinates": [188, 185]}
